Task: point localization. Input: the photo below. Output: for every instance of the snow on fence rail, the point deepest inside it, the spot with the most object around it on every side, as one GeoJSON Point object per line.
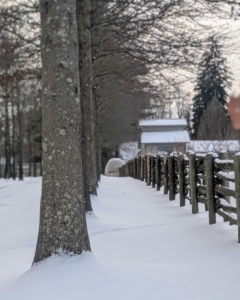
{"type": "Point", "coordinates": [197, 177]}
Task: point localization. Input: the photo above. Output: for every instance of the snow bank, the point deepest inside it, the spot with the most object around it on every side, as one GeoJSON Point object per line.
{"type": "Point", "coordinates": [143, 247]}
{"type": "Point", "coordinates": [81, 277]}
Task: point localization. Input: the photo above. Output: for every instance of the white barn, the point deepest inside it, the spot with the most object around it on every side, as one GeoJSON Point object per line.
{"type": "Point", "coordinates": [163, 135]}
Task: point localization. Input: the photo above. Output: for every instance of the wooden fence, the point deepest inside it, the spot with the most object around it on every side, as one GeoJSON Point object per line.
{"type": "Point", "coordinates": [199, 178]}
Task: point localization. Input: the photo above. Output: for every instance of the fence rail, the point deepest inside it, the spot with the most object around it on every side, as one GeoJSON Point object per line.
{"type": "Point", "coordinates": [196, 177]}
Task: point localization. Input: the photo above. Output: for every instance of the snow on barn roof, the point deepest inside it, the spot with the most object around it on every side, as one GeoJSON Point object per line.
{"type": "Point", "coordinates": [179, 136]}
{"type": "Point", "coordinates": [163, 122]}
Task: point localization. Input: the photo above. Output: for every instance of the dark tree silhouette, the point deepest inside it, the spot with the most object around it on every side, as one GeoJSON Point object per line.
{"type": "Point", "coordinates": [213, 79]}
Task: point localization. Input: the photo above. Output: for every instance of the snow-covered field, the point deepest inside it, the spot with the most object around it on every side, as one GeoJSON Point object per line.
{"type": "Point", "coordinates": [143, 247]}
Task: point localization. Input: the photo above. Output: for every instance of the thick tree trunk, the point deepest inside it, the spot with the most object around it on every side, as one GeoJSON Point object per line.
{"type": "Point", "coordinates": [87, 105]}
{"type": "Point", "coordinates": [85, 82]}
{"type": "Point", "coordinates": [99, 153]}
{"type": "Point", "coordinates": [62, 219]}
{"type": "Point", "coordinates": [98, 148]}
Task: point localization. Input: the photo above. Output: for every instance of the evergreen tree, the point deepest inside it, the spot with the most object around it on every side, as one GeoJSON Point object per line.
{"type": "Point", "coordinates": [213, 80]}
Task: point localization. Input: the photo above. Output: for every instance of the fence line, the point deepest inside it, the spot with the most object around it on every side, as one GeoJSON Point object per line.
{"type": "Point", "coordinates": [197, 177]}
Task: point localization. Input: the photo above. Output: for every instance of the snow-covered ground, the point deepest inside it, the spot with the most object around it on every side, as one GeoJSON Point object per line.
{"type": "Point", "coordinates": [143, 247]}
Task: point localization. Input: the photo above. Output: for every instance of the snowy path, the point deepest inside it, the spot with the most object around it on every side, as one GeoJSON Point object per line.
{"type": "Point", "coordinates": [144, 247]}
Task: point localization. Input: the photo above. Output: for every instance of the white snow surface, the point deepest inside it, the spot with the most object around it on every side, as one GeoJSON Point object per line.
{"type": "Point", "coordinates": [143, 247]}
{"type": "Point", "coordinates": [163, 122]}
{"type": "Point", "coordinates": [224, 161]}
{"type": "Point", "coordinates": [230, 175]}
{"type": "Point", "coordinates": [178, 136]}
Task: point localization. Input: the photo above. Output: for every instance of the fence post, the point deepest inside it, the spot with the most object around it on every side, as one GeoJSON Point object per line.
{"type": "Point", "coordinates": [142, 168]}
{"type": "Point", "coordinates": [161, 171]}
{"type": "Point", "coordinates": [127, 170]}
{"type": "Point", "coordinates": [153, 171]}
{"type": "Point", "coordinates": [224, 155]}
{"type": "Point", "coordinates": [136, 168]}
{"type": "Point", "coordinates": [181, 179]}
{"type": "Point", "coordinates": [139, 167]}
{"type": "Point", "coordinates": [171, 173]}
{"type": "Point", "coordinates": [132, 165]}
{"type": "Point", "coordinates": [131, 168]}
{"type": "Point", "coordinates": [158, 172]}
{"type": "Point", "coordinates": [165, 173]}
{"type": "Point", "coordinates": [209, 167]}
{"type": "Point", "coordinates": [149, 169]}
{"type": "Point", "coordinates": [237, 189]}
{"type": "Point", "coordinates": [193, 182]}
{"type": "Point", "coordinates": [145, 168]}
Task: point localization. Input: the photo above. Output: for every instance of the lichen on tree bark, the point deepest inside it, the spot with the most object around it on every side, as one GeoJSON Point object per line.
{"type": "Point", "coordinates": [62, 216]}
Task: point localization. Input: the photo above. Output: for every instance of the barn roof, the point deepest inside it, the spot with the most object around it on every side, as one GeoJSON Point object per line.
{"type": "Point", "coordinates": [178, 136]}
{"type": "Point", "coordinates": [163, 122]}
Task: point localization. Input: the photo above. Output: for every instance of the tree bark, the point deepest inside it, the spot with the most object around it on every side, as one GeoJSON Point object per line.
{"type": "Point", "coordinates": [85, 73]}
{"type": "Point", "coordinates": [34, 140]}
{"type": "Point", "coordinates": [7, 171]}
{"type": "Point", "coordinates": [88, 85]}
{"type": "Point", "coordinates": [62, 218]}
{"type": "Point", "coordinates": [98, 150]}
{"type": "Point", "coordinates": [20, 137]}
{"type": "Point", "coordinates": [30, 146]}
{"type": "Point", "coordinates": [13, 140]}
